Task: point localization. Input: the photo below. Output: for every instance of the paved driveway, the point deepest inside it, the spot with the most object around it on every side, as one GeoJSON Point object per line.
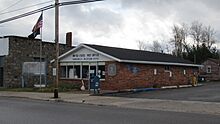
{"type": "Point", "coordinates": [209, 92]}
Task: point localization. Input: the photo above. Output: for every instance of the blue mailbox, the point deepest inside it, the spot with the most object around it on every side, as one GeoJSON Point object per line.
{"type": "Point", "coordinates": [95, 83]}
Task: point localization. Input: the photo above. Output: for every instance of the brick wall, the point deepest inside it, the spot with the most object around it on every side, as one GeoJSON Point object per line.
{"type": "Point", "coordinates": [21, 50]}
{"type": "Point", "coordinates": [142, 77]}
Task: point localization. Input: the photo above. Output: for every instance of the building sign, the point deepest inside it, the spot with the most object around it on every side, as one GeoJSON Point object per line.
{"type": "Point", "coordinates": [54, 71]}
{"type": "Point", "coordinates": [86, 56]}
{"type": "Point", "coordinates": [133, 69]}
{"type": "Point", "coordinates": [111, 69]}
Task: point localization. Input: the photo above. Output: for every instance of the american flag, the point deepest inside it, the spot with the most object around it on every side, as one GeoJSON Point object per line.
{"type": "Point", "coordinates": [37, 27]}
{"type": "Point", "coordinates": [39, 24]}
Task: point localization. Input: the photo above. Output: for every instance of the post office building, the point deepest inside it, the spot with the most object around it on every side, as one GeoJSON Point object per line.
{"type": "Point", "coordinates": [120, 68]}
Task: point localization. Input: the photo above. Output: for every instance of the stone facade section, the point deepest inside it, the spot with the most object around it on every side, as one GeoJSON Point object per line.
{"type": "Point", "coordinates": [22, 50]}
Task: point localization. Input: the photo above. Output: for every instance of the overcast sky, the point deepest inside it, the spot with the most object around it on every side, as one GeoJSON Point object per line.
{"type": "Point", "coordinates": [119, 23]}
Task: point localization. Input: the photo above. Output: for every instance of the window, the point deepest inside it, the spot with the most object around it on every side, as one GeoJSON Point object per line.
{"type": "Point", "coordinates": [208, 69]}
{"type": "Point", "coordinates": [70, 71]}
{"type": "Point", "coordinates": [82, 70]}
{"type": "Point", "coordinates": [37, 59]}
{"type": "Point", "coordinates": [167, 68]}
{"type": "Point", "coordinates": [1, 61]}
{"type": "Point", "coordinates": [63, 71]}
{"type": "Point", "coordinates": [92, 71]}
{"type": "Point", "coordinates": [77, 71]}
{"type": "Point", "coordinates": [101, 71]}
{"type": "Point", "coordinates": [85, 71]}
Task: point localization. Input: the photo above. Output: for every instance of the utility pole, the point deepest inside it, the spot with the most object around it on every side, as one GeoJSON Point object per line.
{"type": "Point", "coordinates": [57, 47]}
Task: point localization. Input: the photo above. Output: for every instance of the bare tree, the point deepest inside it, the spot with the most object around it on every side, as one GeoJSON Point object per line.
{"type": "Point", "coordinates": [202, 34]}
{"type": "Point", "coordinates": [208, 36]}
{"type": "Point", "coordinates": [156, 47]}
{"type": "Point", "coordinates": [196, 31]}
{"type": "Point", "coordinates": [180, 34]}
{"type": "Point", "coordinates": [168, 49]}
{"type": "Point", "coordinates": [141, 45]}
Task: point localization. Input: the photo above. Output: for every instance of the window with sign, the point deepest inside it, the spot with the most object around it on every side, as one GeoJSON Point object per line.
{"type": "Point", "coordinates": [92, 70]}
{"type": "Point", "coordinates": [82, 70]}
{"type": "Point", "coordinates": [70, 71]}
{"type": "Point", "coordinates": [77, 71]}
{"type": "Point", "coordinates": [101, 71]}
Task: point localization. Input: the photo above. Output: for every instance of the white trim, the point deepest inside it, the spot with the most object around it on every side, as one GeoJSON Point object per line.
{"type": "Point", "coordinates": [104, 54]}
{"type": "Point", "coordinates": [160, 63]}
{"type": "Point", "coordinates": [155, 71]}
{"type": "Point", "coordinates": [84, 45]}
{"type": "Point", "coordinates": [68, 52]}
{"type": "Point", "coordinates": [171, 74]}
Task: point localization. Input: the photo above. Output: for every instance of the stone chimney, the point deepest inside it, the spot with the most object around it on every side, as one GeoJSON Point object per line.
{"type": "Point", "coordinates": [69, 39]}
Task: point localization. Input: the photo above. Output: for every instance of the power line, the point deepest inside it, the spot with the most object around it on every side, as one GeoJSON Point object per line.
{"type": "Point", "coordinates": [78, 2]}
{"type": "Point", "coordinates": [46, 8]}
{"type": "Point", "coordinates": [25, 7]}
{"type": "Point", "coordinates": [27, 14]}
{"type": "Point", "coordinates": [11, 5]}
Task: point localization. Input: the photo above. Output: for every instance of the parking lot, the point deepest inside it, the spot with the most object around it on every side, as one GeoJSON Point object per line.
{"type": "Point", "coordinates": [208, 92]}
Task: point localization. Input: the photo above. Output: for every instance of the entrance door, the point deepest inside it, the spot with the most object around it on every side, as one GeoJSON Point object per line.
{"type": "Point", "coordinates": [92, 71]}
{"type": "Point", "coordinates": [1, 76]}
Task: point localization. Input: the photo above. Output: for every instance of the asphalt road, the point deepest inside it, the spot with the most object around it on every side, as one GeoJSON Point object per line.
{"type": "Point", "coordinates": [209, 92]}
{"type": "Point", "coordinates": [23, 111]}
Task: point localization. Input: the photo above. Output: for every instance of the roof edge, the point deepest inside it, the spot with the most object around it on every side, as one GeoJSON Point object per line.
{"type": "Point", "coordinates": [104, 54]}
{"type": "Point", "coordinates": [88, 47]}
{"type": "Point", "coordinates": [161, 63]}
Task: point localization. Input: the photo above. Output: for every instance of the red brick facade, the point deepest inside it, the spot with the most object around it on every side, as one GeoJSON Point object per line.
{"type": "Point", "coordinates": [214, 66]}
{"type": "Point", "coordinates": [143, 76]}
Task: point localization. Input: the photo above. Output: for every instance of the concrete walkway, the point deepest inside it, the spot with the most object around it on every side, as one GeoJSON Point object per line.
{"type": "Point", "coordinates": [136, 103]}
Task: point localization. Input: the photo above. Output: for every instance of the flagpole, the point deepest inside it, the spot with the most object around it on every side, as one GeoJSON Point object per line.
{"type": "Point", "coordinates": [41, 36]}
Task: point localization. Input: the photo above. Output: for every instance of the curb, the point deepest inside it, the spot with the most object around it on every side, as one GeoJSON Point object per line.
{"type": "Point", "coordinates": [145, 89]}
{"type": "Point", "coordinates": [180, 86]}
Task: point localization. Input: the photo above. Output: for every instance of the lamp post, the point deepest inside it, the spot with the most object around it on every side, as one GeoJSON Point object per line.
{"type": "Point", "coordinates": [57, 47]}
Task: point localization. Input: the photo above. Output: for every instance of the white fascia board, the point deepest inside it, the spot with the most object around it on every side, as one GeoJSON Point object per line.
{"type": "Point", "coordinates": [160, 63]}
{"type": "Point", "coordinates": [70, 51]}
{"type": "Point", "coordinates": [83, 45]}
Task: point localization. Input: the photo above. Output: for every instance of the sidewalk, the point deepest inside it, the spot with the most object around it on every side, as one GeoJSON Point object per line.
{"type": "Point", "coordinates": [136, 103]}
